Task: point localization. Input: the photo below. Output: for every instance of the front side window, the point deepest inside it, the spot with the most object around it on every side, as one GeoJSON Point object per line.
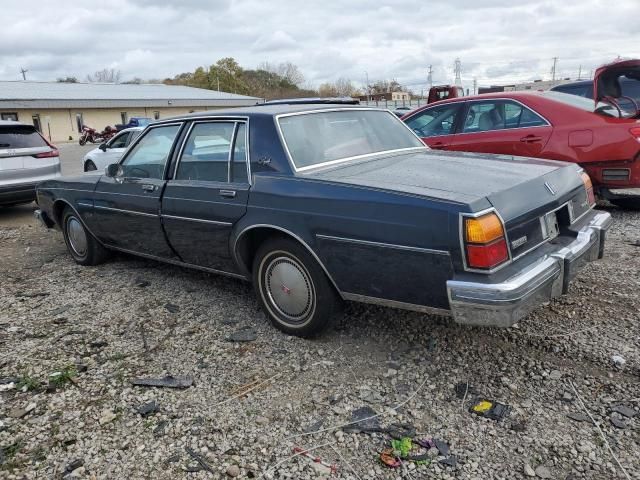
{"type": "Point", "coordinates": [149, 156]}
{"type": "Point", "coordinates": [119, 141]}
{"type": "Point", "coordinates": [435, 121]}
{"type": "Point", "coordinates": [327, 136]}
{"type": "Point", "coordinates": [205, 156]}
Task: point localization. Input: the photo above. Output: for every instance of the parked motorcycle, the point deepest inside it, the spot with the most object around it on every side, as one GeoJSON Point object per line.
{"type": "Point", "coordinates": [92, 135]}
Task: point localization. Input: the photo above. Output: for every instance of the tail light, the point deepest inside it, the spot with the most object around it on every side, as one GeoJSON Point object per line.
{"type": "Point", "coordinates": [591, 198]}
{"type": "Point", "coordinates": [52, 153]}
{"type": "Point", "coordinates": [635, 131]}
{"type": "Point", "coordinates": [485, 241]}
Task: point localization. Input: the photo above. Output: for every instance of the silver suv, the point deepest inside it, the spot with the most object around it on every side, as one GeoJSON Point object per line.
{"type": "Point", "coordinates": [26, 159]}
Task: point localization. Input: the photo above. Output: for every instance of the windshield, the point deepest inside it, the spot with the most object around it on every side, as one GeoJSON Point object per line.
{"type": "Point", "coordinates": [321, 137]}
{"type": "Point", "coordinates": [586, 104]}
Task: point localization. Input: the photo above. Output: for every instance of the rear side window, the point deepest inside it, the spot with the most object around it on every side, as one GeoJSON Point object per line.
{"type": "Point", "coordinates": [20, 136]}
{"type": "Point", "coordinates": [205, 156]}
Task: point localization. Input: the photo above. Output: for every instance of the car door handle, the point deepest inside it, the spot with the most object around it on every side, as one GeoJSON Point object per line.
{"type": "Point", "coordinates": [228, 193]}
{"type": "Point", "coordinates": [531, 139]}
{"type": "Point", "coordinates": [148, 187]}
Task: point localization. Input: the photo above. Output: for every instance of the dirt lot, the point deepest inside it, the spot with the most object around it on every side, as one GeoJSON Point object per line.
{"type": "Point", "coordinates": [252, 402]}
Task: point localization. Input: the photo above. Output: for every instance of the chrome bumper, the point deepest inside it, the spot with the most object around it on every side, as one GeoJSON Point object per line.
{"type": "Point", "coordinates": [503, 304]}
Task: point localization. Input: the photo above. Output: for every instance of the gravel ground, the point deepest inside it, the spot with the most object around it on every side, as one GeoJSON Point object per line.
{"type": "Point", "coordinates": [252, 402]}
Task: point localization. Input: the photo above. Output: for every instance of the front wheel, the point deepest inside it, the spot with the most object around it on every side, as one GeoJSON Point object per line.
{"type": "Point", "coordinates": [293, 289]}
{"type": "Point", "coordinates": [82, 140]}
{"type": "Point", "coordinates": [83, 247]}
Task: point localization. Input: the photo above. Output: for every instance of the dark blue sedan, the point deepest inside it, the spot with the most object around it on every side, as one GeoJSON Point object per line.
{"type": "Point", "coordinates": [316, 204]}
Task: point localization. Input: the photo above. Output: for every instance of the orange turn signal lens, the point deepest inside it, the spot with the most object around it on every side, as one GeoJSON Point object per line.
{"type": "Point", "coordinates": [484, 229]}
{"type": "Point", "coordinates": [589, 187]}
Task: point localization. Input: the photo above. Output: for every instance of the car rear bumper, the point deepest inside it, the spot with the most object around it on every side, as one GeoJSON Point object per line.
{"type": "Point", "coordinates": [503, 304]}
{"type": "Point", "coordinates": [18, 193]}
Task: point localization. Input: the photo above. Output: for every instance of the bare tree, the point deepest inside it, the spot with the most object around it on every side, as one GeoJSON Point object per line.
{"type": "Point", "coordinates": [67, 80]}
{"type": "Point", "coordinates": [287, 70]}
{"type": "Point", "coordinates": [106, 75]}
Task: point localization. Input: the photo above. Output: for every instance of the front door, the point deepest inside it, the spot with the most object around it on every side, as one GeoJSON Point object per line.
{"type": "Point", "coordinates": [208, 193]}
{"type": "Point", "coordinates": [502, 126]}
{"type": "Point", "coordinates": [436, 125]}
{"type": "Point", "coordinates": [127, 208]}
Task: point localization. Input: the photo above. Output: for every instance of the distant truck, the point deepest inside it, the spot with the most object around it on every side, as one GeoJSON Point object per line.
{"type": "Point", "coordinates": [134, 122]}
{"type": "Point", "coordinates": [442, 92]}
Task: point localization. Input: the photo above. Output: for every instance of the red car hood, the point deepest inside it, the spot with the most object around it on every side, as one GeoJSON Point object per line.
{"type": "Point", "coordinates": [606, 78]}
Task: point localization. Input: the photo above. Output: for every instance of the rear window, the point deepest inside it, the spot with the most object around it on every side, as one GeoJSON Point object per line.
{"type": "Point", "coordinates": [20, 136]}
{"type": "Point", "coordinates": [582, 103]}
{"type": "Point", "coordinates": [315, 138]}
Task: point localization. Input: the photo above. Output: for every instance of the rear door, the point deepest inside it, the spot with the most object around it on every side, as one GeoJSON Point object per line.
{"type": "Point", "coordinates": [502, 126]}
{"type": "Point", "coordinates": [208, 193]}
{"type": "Point", "coordinates": [436, 125]}
{"type": "Point", "coordinates": [127, 208]}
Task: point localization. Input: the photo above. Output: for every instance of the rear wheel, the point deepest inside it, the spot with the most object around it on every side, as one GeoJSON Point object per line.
{"type": "Point", "coordinates": [293, 289]}
{"type": "Point", "coordinates": [83, 247]}
{"type": "Point", "coordinates": [89, 166]}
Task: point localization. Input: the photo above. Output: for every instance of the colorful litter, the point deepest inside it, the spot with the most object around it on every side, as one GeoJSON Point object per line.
{"type": "Point", "coordinates": [300, 451]}
{"type": "Point", "coordinates": [490, 409]}
{"type": "Point", "coordinates": [419, 451]}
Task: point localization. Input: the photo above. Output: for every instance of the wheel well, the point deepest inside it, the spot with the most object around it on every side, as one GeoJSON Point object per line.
{"type": "Point", "coordinates": [248, 244]}
{"type": "Point", "coordinates": [58, 208]}
{"type": "Point", "coordinates": [84, 165]}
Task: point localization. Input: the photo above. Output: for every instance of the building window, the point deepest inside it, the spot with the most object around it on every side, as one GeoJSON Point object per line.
{"type": "Point", "coordinates": [9, 116]}
{"type": "Point", "coordinates": [156, 115]}
{"type": "Point", "coordinates": [79, 122]}
{"type": "Point", "coordinates": [123, 117]}
{"type": "Point", "coordinates": [36, 122]}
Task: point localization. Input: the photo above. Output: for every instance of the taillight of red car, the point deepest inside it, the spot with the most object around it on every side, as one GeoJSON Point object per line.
{"type": "Point", "coordinates": [485, 242]}
{"type": "Point", "coordinates": [635, 131]}
{"type": "Point", "coordinates": [589, 188]}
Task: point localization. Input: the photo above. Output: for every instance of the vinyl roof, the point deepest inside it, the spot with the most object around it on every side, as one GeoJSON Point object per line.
{"type": "Point", "coordinates": [24, 94]}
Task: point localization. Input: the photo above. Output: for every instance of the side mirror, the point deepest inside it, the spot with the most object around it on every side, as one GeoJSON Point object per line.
{"type": "Point", "coordinates": [103, 147]}
{"type": "Point", "coordinates": [113, 170]}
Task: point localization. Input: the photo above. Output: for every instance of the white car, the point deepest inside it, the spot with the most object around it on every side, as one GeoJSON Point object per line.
{"type": "Point", "coordinates": [111, 151]}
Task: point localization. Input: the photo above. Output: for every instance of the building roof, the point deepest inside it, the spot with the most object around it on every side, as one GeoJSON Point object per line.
{"type": "Point", "coordinates": [24, 94]}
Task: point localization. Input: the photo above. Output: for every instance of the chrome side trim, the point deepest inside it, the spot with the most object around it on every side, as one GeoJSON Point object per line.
{"type": "Point", "coordinates": [83, 204]}
{"type": "Point", "coordinates": [355, 297]}
{"type": "Point", "coordinates": [132, 212]}
{"type": "Point", "coordinates": [193, 200]}
{"type": "Point", "coordinates": [69, 189]}
{"type": "Point", "coordinates": [234, 250]}
{"type": "Point", "coordinates": [199, 220]}
{"type": "Point", "coordinates": [178, 263]}
{"type": "Point", "coordinates": [384, 245]}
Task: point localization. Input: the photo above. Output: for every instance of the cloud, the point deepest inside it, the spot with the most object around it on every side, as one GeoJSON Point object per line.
{"type": "Point", "coordinates": [498, 41]}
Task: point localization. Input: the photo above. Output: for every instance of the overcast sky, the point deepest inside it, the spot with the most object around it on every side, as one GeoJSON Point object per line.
{"type": "Point", "coordinates": [496, 40]}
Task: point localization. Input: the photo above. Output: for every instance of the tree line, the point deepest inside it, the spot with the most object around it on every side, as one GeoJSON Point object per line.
{"type": "Point", "coordinates": [267, 80]}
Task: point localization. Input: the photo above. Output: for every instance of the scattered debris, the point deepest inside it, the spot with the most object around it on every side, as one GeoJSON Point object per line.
{"type": "Point", "coordinates": [450, 461]}
{"type": "Point", "coordinates": [159, 430]}
{"type": "Point", "coordinates": [233, 471]}
{"type": "Point", "coordinates": [624, 411]}
{"type": "Point", "coordinates": [142, 283]}
{"type": "Point", "coordinates": [331, 468]}
{"type": "Point", "coordinates": [529, 471]}
{"type": "Point", "coordinates": [198, 458]}
{"type": "Point", "coordinates": [442, 447]}
{"type": "Point", "coordinates": [171, 308]}
{"type": "Point", "coordinates": [246, 334]}
{"type": "Point", "coordinates": [98, 343]}
{"type": "Point", "coordinates": [490, 409]}
{"type": "Point", "coordinates": [148, 408]}
{"type": "Point", "coordinates": [618, 422]}
{"type": "Point", "coordinates": [74, 465]}
{"type": "Point", "coordinates": [388, 457]}
{"type": "Point", "coordinates": [169, 382]}
{"type": "Point", "coordinates": [314, 427]}
{"type": "Point", "coordinates": [22, 412]}
{"type": "Point", "coordinates": [555, 375]}
{"type": "Point", "coordinates": [365, 420]}
{"type": "Point", "coordinates": [618, 361]}
{"type": "Point", "coordinates": [579, 417]}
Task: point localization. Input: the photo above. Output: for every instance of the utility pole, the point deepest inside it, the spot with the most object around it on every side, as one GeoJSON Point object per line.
{"type": "Point", "coordinates": [457, 67]}
{"type": "Point", "coordinates": [475, 85]}
{"type": "Point", "coordinates": [366, 75]}
{"type": "Point", "coordinates": [430, 77]}
{"type": "Point", "coordinates": [23, 72]}
{"type": "Point", "coordinates": [553, 69]}
{"type": "Point", "coordinates": [579, 72]}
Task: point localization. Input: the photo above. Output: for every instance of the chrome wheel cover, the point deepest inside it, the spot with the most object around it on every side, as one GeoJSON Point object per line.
{"type": "Point", "coordinates": [77, 236]}
{"type": "Point", "coordinates": [289, 289]}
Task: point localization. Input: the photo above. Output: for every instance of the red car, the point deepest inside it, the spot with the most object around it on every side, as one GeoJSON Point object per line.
{"type": "Point", "coordinates": [550, 125]}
